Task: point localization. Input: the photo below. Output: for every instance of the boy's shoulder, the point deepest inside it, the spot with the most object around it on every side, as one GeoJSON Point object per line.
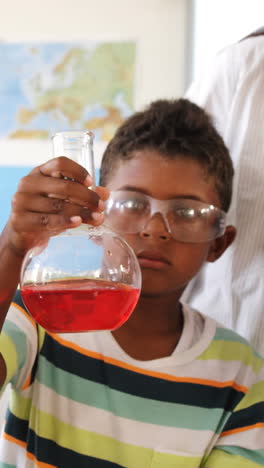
{"type": "Point", "coordinates": [228, 346]}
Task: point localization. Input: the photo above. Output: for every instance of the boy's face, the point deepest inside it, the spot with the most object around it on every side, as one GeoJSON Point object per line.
{"type": "Point", "coordinates": [167, 265]}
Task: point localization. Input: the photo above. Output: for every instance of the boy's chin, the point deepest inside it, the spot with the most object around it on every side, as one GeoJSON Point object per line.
{"type": "Point", "coordinates": [153, 289]}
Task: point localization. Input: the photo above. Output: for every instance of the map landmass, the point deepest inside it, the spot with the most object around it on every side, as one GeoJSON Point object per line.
{"type": "Point", "coordinates": [67, 86]}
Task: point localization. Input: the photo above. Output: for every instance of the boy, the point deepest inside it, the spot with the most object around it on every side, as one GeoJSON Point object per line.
{"type": "Point", "coordinates": [170, 388]}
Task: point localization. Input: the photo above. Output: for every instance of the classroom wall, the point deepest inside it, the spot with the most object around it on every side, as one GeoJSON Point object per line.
{"type": "Point", "coordinates": [158, 26]}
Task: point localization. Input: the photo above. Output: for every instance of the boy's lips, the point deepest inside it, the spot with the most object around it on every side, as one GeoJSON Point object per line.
{"type": "Point", "coordinates": [152, 259]}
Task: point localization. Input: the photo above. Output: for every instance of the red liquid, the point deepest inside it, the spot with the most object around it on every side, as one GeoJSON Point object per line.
{"type": "Point", "coordinates": [80, 305]}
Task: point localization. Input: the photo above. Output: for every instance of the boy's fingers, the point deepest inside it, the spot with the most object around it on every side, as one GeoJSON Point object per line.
{"type": "Point", "coordinates": [24, 202]}
{"type": "Point", "coordinates": [64, 189]}
{"type": "Point", "coordinates": [38, 204]}
{"type": "Point", "coordinates": [102, 192]}
{"type": "Point", "coordinates": [62, 167]}
{"type": "Point", "coordinates": [51, 223]}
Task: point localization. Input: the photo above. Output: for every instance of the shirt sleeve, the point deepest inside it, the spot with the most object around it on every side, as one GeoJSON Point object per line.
{"type": "Point", "coordinates": [18, 344]}
{"type": "Point", "coordinates": [215, 87]}
{"type": "Point", "coordinates": [241, 442]}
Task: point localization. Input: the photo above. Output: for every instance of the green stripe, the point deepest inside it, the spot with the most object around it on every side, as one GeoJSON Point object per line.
{"type": "Point", "coordinates": [20, 342]}
{"type": "Point", "coordinates": [19, 405]}
{"type": "Point", "coordinates": [95, 445]}
{"type": "Point", "coordinates": [232, 351]}
{"type": "Point", "coordinates": [254, 396]}
{"type": "Point", "coordinates": [130, 406]}
{"type": "Point", "coordinates": [89, 443]}
{"type": "Point", "coordinates": [226, 334]}
{"type": "Point", "coordinates": [6, 465]}
{"type": "Point", "coordinates": [168, 460]}
{"type": "Point", "coordinates": [9, 354]}
{"type": "Point", "coordinates": [41, 337]}
{"type": "Point", "coordinates": [238, 457]}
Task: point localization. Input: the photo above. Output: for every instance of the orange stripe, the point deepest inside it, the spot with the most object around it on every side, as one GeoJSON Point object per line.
{"type": "Point", "coordinates": [29, 455]}
{"type": "Point", "coordinates": [25, 313]}
{"type": "Point", "coordinates": [14, 440]}
{"type": "Point", "coordinates": [160, 375]}
{"type": "Point", "coordinates": [39, 463]}
{"type": "Point", "coordinates": [27, 383]}
{"type": "Point", "coordinates": [242, 429]}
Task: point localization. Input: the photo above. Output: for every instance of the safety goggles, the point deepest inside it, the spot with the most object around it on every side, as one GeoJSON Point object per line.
{"type": "Point", "coordinates": [185, 219]}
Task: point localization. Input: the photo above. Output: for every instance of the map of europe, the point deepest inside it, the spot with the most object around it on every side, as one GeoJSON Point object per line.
{"type": "Point", "coordinates": [50, 87]}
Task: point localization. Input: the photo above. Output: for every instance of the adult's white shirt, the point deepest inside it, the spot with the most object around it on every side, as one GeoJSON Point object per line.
{"type": "Point", "coordinates": [232, 289]}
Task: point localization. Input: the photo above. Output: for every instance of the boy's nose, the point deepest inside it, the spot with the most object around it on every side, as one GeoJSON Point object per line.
{"type": "Point", "coordinates": [156, 227]}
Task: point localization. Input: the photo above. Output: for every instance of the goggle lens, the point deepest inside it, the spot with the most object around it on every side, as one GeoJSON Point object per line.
{"type": "Point", "coordinates": [187, 220]}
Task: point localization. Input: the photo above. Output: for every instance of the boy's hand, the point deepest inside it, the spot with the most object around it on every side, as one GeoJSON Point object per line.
{"type": "Point", "coordinates": [51, 198]}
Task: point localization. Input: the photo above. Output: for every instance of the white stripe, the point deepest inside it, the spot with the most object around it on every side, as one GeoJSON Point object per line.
{"type": "Point", "coordinates": [252, 439]}
{"type": "Point", "coordinates": [15, 455]}
{"type": "Point", "coordinates": [122, 429]}
{"type": "Point", "coordinates": [214, 369]}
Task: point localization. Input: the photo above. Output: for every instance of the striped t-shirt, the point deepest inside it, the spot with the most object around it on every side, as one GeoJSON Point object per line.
{"type": "Point", "coordinates": [79, 401]}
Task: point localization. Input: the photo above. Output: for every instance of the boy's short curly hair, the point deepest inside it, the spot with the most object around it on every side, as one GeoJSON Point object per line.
{"type": "Point", "coordinates": [174, 128]}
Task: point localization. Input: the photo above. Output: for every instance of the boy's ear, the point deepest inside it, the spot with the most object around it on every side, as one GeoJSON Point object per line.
{"type": "Point", "coordinates": [220, 244]}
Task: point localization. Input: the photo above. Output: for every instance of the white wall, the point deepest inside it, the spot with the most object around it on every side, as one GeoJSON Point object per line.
{"type": "Point", "coordinates": [218, 23]}
{"type": "Point", "coordinates": [157, 25]}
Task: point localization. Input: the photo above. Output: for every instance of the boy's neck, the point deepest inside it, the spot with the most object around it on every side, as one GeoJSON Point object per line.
{"type": "Point", "coordinates": [153, 329]}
